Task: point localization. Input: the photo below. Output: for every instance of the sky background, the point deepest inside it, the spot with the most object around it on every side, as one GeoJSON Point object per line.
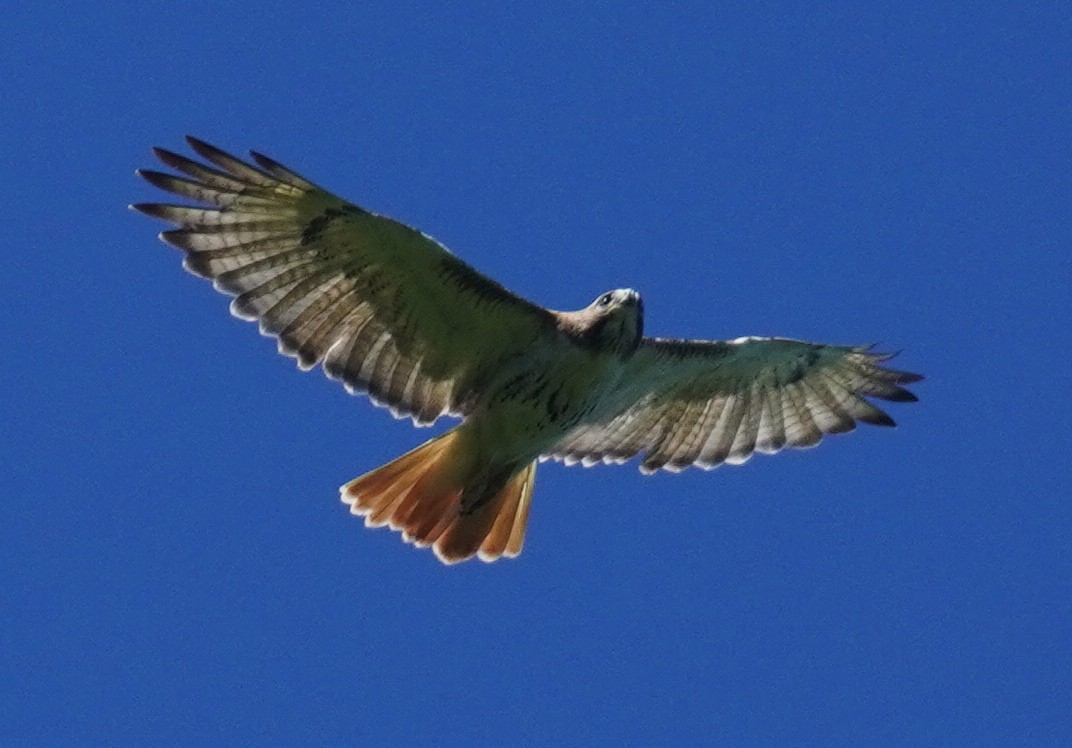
{"type": "Point", "coordinates": [175, 567]}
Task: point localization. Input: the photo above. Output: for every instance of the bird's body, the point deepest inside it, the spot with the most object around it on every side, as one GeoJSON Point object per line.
{"type": "Point", "coordinates": [534, 399]}
{"type": "Point", "coordinates": [390, 312]}
{"type": "Point", "coordinates": [540, 395]}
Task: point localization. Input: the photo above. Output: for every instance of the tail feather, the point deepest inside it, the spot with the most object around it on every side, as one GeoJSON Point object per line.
{"type": "Point", "coordinates": [382, 513]}
{"type": "Point", "coordinates": [521, 520]}
{"type": "Point", "coordinates": [508, 533]}
{"type": "Point", "coordinates": [495, 541]}
{"type": "Point", "coordinates": [423, 495]}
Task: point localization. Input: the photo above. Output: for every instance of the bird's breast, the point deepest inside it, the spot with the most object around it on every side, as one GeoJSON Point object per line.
{"type": "Point", "coordinates": [534, 401]}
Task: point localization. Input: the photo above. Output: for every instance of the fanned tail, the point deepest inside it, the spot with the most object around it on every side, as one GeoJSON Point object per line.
{"type": "Point", "coordinates": [435, 498]}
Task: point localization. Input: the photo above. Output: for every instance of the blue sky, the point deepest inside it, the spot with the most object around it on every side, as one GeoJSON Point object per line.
{"type": "Point", "coordinates": [174, 564]}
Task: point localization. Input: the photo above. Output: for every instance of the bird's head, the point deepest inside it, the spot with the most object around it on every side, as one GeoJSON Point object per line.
{"type": "Point", "coordinates": [613, 322]}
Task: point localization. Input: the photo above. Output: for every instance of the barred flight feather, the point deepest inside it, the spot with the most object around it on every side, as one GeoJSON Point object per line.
{"type": "Point", "coordinates": [734, 399]}
{"type": "Point", "coordinates": [320, 275]}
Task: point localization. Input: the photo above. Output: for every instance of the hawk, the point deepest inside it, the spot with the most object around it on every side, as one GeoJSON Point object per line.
{"type": "Point", "coordinates": [388, 311]}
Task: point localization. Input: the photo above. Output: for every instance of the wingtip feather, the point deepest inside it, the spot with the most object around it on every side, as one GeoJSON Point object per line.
{"type": "Point", "coordinates": [166, 156]}
{"type": "Point", "coordinates": [199, 145]}
{"type": "Point", "coordinates": [210, 152]}
{"type": "Point", "coordinates": [901, 395]}
{"type": "Point", "coordinates": [263, 161]}
{"type": "Point", "coordinates": [161, 180]}
{"type": "Point", "coordinates": [878, 418]}
{"type": "Point", "coordinates": [153, 210]}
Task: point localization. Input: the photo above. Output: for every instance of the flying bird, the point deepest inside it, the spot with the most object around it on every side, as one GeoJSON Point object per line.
{"type": "Point", "coordinates": [390, 312]}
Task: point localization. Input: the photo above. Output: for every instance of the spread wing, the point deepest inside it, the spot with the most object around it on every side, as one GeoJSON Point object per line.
{"type": "Point", "coordinates": [384, 308]}
{"type": "Point", "coordinates": [690, 402]}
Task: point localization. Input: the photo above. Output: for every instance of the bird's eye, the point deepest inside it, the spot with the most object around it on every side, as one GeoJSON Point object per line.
{"type": "Point", "coordinates": [604, 300]}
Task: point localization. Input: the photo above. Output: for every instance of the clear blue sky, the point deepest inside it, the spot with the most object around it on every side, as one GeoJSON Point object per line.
{"type": "Point", "coordinates": [175, 567]}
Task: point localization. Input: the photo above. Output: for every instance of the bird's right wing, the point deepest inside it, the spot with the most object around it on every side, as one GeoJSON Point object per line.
{"type": "Point", "coordinates": [701, 402]}
{"type": "Point", "coordinates": [384, 308]}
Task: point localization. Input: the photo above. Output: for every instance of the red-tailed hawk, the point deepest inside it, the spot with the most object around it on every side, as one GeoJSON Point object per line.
{"type": "Point", "coordinates": [388, 311]}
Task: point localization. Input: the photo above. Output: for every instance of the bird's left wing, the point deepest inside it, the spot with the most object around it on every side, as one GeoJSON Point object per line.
{"type": "Point", "coordinates": [692, 402]}
{"type": "Point", "coordinates": [385, 309]}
